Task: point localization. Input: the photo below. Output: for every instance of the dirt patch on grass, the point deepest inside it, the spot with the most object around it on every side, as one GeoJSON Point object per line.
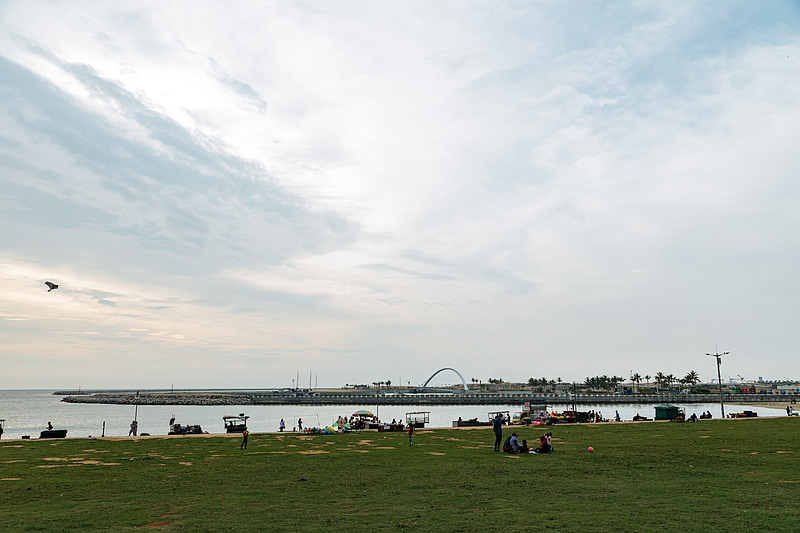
{"type": "Point", "coordinates": [185, 463]}
{"type": "Point", "coordinates": [437, 453]}
{"type": "Point", "coordinates": [11, 479]}
{"type": "Point", "coordinates": [155, 525]}
{"type": "Point", "coordinates": [313, 452]}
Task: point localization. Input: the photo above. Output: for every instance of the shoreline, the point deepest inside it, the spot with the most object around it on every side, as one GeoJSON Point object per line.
{"type": "Point", "coordinates": [299, 434]}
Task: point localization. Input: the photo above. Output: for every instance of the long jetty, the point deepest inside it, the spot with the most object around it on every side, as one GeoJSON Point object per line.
{"type": "Point", "coordinates": [361, 397]}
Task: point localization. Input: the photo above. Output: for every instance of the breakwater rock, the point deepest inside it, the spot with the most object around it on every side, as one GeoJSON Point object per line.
{"type": "Point", "coordinates": [162, 399]}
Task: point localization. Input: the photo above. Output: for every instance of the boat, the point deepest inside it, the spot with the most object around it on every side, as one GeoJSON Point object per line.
{"type": "Point", "coordinates": [235, 424]}
{"type": "Point", "coordinates": [177, 429]}
{"type": "Point", "coordinates": [53, 434]}
{"type": "Point", "coordinates": [472, 422]}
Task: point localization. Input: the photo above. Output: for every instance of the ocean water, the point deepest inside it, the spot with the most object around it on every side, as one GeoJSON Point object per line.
{"type": "Point", "coordinates": [27, 412]}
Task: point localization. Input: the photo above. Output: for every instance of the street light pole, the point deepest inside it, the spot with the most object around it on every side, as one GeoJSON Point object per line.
{"type": "Point", "coordinates": [719, 379]}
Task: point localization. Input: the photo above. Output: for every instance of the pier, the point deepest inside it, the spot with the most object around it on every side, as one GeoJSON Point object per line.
{"type": "Point", "coordinates": [361, 397]}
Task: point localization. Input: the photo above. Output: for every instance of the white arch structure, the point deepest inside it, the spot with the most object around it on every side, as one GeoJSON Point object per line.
{"type": "Point", "coordinates": [442, 370]}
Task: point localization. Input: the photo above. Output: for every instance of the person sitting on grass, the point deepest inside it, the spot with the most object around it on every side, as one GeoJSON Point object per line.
{"type": "Point", "coordinates": [515, 445]}
{"type": "Point", "coordinates": [545, 445]}
{"type": "Point", "coordinates": [524, 448]}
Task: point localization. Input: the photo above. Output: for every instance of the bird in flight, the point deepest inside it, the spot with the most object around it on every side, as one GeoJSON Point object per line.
{"type": "Point", "coordinates": [51, 285]}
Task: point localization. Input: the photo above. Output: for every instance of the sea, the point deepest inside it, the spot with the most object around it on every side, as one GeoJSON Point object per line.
{"type": "Point", "coordinates": [27, 412]}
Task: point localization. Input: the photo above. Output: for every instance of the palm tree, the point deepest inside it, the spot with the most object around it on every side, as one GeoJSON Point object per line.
{"type": "Point", "coordinates": [636, 379]}
{"type": "Point", "coordinates": [692, 378]}
{"type": "Point", "coordinates": [660, 379]}
{"type": "Point", "coordinates": [647, 379]}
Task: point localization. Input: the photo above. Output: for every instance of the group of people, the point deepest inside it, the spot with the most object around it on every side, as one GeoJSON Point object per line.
{"type": "Point", "coordinates": [512, 444]}
{"type": "Point", "coordinates": [695, 418]}
{"type": "Point", "coordinates": [596, 416]}
{"type": "Point", "coordinates": [343, 420]}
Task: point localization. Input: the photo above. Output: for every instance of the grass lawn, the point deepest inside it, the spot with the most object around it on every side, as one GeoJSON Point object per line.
{"type": "Point", "coordinates": [713, 475]}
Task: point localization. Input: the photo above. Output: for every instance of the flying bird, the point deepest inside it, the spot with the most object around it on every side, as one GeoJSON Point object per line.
{"type": "Point", "coordinates": [51, 285]}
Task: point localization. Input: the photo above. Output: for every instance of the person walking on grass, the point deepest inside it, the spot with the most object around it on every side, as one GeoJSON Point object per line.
{"type": "Point", "coordinates": [410, 433]}
{"type": "Point", "coordinates": [243, 445]}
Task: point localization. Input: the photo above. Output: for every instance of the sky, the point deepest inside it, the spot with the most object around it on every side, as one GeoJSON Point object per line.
{"type": "Point", "coordinates": [232, 195]}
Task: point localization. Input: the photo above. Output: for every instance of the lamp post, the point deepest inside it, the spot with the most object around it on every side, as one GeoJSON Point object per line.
{"type": "Point", "coordinates": [719, 379]}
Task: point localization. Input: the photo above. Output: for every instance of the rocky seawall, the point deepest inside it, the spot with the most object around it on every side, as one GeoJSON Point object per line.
{"type": "Point", "coordinates": [162, 399]}
{"type": "Point", "coordinates": [371, 398]}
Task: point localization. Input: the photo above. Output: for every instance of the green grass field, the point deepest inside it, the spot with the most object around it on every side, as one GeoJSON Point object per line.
{"type": "Point", "coordinates": [717, 475]}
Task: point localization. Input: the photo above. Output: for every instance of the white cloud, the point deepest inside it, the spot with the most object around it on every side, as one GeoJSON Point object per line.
{"type": "Point", "coordinates": [364, 186]}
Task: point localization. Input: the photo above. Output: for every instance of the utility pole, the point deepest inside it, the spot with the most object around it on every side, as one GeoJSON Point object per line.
{"type": "Point", "coordinates": [719, 379]}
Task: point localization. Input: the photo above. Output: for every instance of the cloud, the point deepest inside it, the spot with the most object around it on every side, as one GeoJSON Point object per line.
{"type": "Point", "coordinates": [164, 182]}
{"type": "Point", "coordinates": [349, 186]}
{"type": "Point", "coordinates": [250, 97]}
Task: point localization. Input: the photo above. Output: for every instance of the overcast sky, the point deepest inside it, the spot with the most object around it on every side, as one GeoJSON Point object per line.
{"type": "Point", "coordinates": [228, 194]}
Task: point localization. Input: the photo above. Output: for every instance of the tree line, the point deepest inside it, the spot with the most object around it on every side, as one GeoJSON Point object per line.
{"type": "Point", "coordinates": [604, 382]}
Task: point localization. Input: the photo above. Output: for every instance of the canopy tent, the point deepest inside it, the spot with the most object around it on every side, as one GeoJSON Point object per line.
{"type": "Point", "coordinates": [362, 413]}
